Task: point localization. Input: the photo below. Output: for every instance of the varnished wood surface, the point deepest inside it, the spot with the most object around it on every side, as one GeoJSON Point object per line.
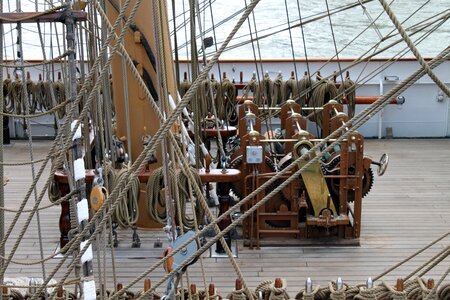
{"type": "Point", "coordinates": [407, 208]}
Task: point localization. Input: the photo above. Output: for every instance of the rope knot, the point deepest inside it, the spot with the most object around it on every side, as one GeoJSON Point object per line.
{"type": "Point", "coordinates": [366, 294]}
{"type": "Point", "coordinates": [337, 294]}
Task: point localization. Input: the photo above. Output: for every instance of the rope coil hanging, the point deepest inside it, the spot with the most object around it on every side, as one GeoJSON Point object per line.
{"type": "Point", "coordinates": [60, 94]}
{"type": "Point", "coordinates": [228, 106]}
{"type": "Point", "coordinates": [40, 95]}
{"type": "Point", "coordinates": [305, 84]}
{"type": "Point", "coordinates": [348, 90]}
{"type": "Point", "coordinates": [278, 90]}
{"type": "Point", "coordinates": [324, 92]}
{"type": "Point", "coordinates": [290, 88]}
{"type": "Point", "coordinates": [15, 92]}
{"type": "Point", "coordinates": [253, 87]}
{"type": "Point", "coordinates": [30, 94]}
{"type": "Point", "coordinates": [127, 211]}
{"type": "Point", "coordinates": [156, 203]}
{"type": "Point", "coordinates": [267, 90]}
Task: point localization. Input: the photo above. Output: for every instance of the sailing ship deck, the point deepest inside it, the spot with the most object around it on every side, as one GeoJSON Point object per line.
{"type": "Point", "coordinates": [407, 208]}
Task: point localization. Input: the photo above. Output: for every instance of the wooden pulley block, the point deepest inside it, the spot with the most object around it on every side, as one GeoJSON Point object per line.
{"type": "Point", "coordinates": [79, 5]}
{"type": "Point", "coordinates": [97, 197]}
{"type": "Point", "coordinates": [168, 264]}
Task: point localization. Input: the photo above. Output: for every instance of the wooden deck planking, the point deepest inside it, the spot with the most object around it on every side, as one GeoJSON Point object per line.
{"type": "Point", "coordinates": [407, 208]}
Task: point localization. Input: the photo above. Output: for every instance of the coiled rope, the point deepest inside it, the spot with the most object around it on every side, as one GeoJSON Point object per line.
{"type": "Point", "coordinates": [305, 84]}
{"type": "Point", "coordinates": [216, 89]}
{"type": "Point", "coordinates": [39, 95]}
{"type": "Point", "coordinates": [275, 293]}
{"type": "Point", "coordinates": [323, 93]}
{"type": "Point", "coordinates": [267, 90]}
{"type": "Point", "coordinates": [290, 88]}
{"type": "Point", "coordinates": [253, 87]}
{"type": "Point", "coordinates": [15, 91]}
{"type": "Point", "coordinates": [204, 98]}
{"type": "Point", "coordinates": [127, 212]}
{"type": "Point", "coordinates": [348, 90]}
{"type": "Point", "coordinates": [156, 203]}
{"type": "Point", "coordinates": [60, 94]}
{"type": "Point", "coordinates": [228, 106]}
{"type": "Point", "coordinates": [277, 96]}
{"type": "Point", "coordinates": [30, 95]}
{"type": "Point", "coordinates": [337, 294]}
{"type": "Point", "coordinates": [185, 85]}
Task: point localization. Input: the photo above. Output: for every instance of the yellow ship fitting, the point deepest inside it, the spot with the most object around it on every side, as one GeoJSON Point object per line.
{"type": "Point", "coordinates": [313, 179]}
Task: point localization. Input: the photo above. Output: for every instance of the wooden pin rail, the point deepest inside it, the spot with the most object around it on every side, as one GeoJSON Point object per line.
{"type": "Point", "coordinates": [33, 17]}
{"type": "Point", "coordinates": [358, 100]}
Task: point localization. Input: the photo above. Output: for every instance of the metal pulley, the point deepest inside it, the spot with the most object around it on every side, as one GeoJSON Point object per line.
{"type": "Point", "coordinates": [185, 255]}
{"type": "Point", "coordinates": [302, 148]}
{"type": "Point", "coordinates": [382, 164]}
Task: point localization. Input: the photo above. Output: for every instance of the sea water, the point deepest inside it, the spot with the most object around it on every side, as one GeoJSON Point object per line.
{"type": "Point", "coordinates": [349, 32]}
{"type": "Point", "coordinates": [320, 38]}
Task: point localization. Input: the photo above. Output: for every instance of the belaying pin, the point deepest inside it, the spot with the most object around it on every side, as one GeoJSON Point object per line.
{"type": "Point", "coordinates": [278, 283]}
{"type": "Point", "coordinates": [308, 285]}
{"type": "Point", "coordinates": [339, 284]}
{"type": "Point", "coordinates": [32, 283]}
{"type": "Point", "coordinates": [260, 295]}
{"type": "Point", "coordinates": [369, 283]}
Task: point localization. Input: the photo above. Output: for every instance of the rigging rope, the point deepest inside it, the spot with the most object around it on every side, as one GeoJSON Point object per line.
{"type": "Point", "coordinates": [356, 121]}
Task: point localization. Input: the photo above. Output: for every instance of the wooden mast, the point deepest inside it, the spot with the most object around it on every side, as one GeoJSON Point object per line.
{"type": "Point", "coordinates": [140, 43]}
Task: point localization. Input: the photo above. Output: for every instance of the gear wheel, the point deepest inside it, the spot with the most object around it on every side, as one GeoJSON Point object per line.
{"type": "Point", "coordinates": [367, 183]}
{"type": "Point", "coordinates": [237, 162]}
{"type": "Point", "coordinates": [272, 205]}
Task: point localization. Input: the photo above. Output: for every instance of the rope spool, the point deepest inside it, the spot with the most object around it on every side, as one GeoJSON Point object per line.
{"type": "Point", "coordinates": [305, 84]}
